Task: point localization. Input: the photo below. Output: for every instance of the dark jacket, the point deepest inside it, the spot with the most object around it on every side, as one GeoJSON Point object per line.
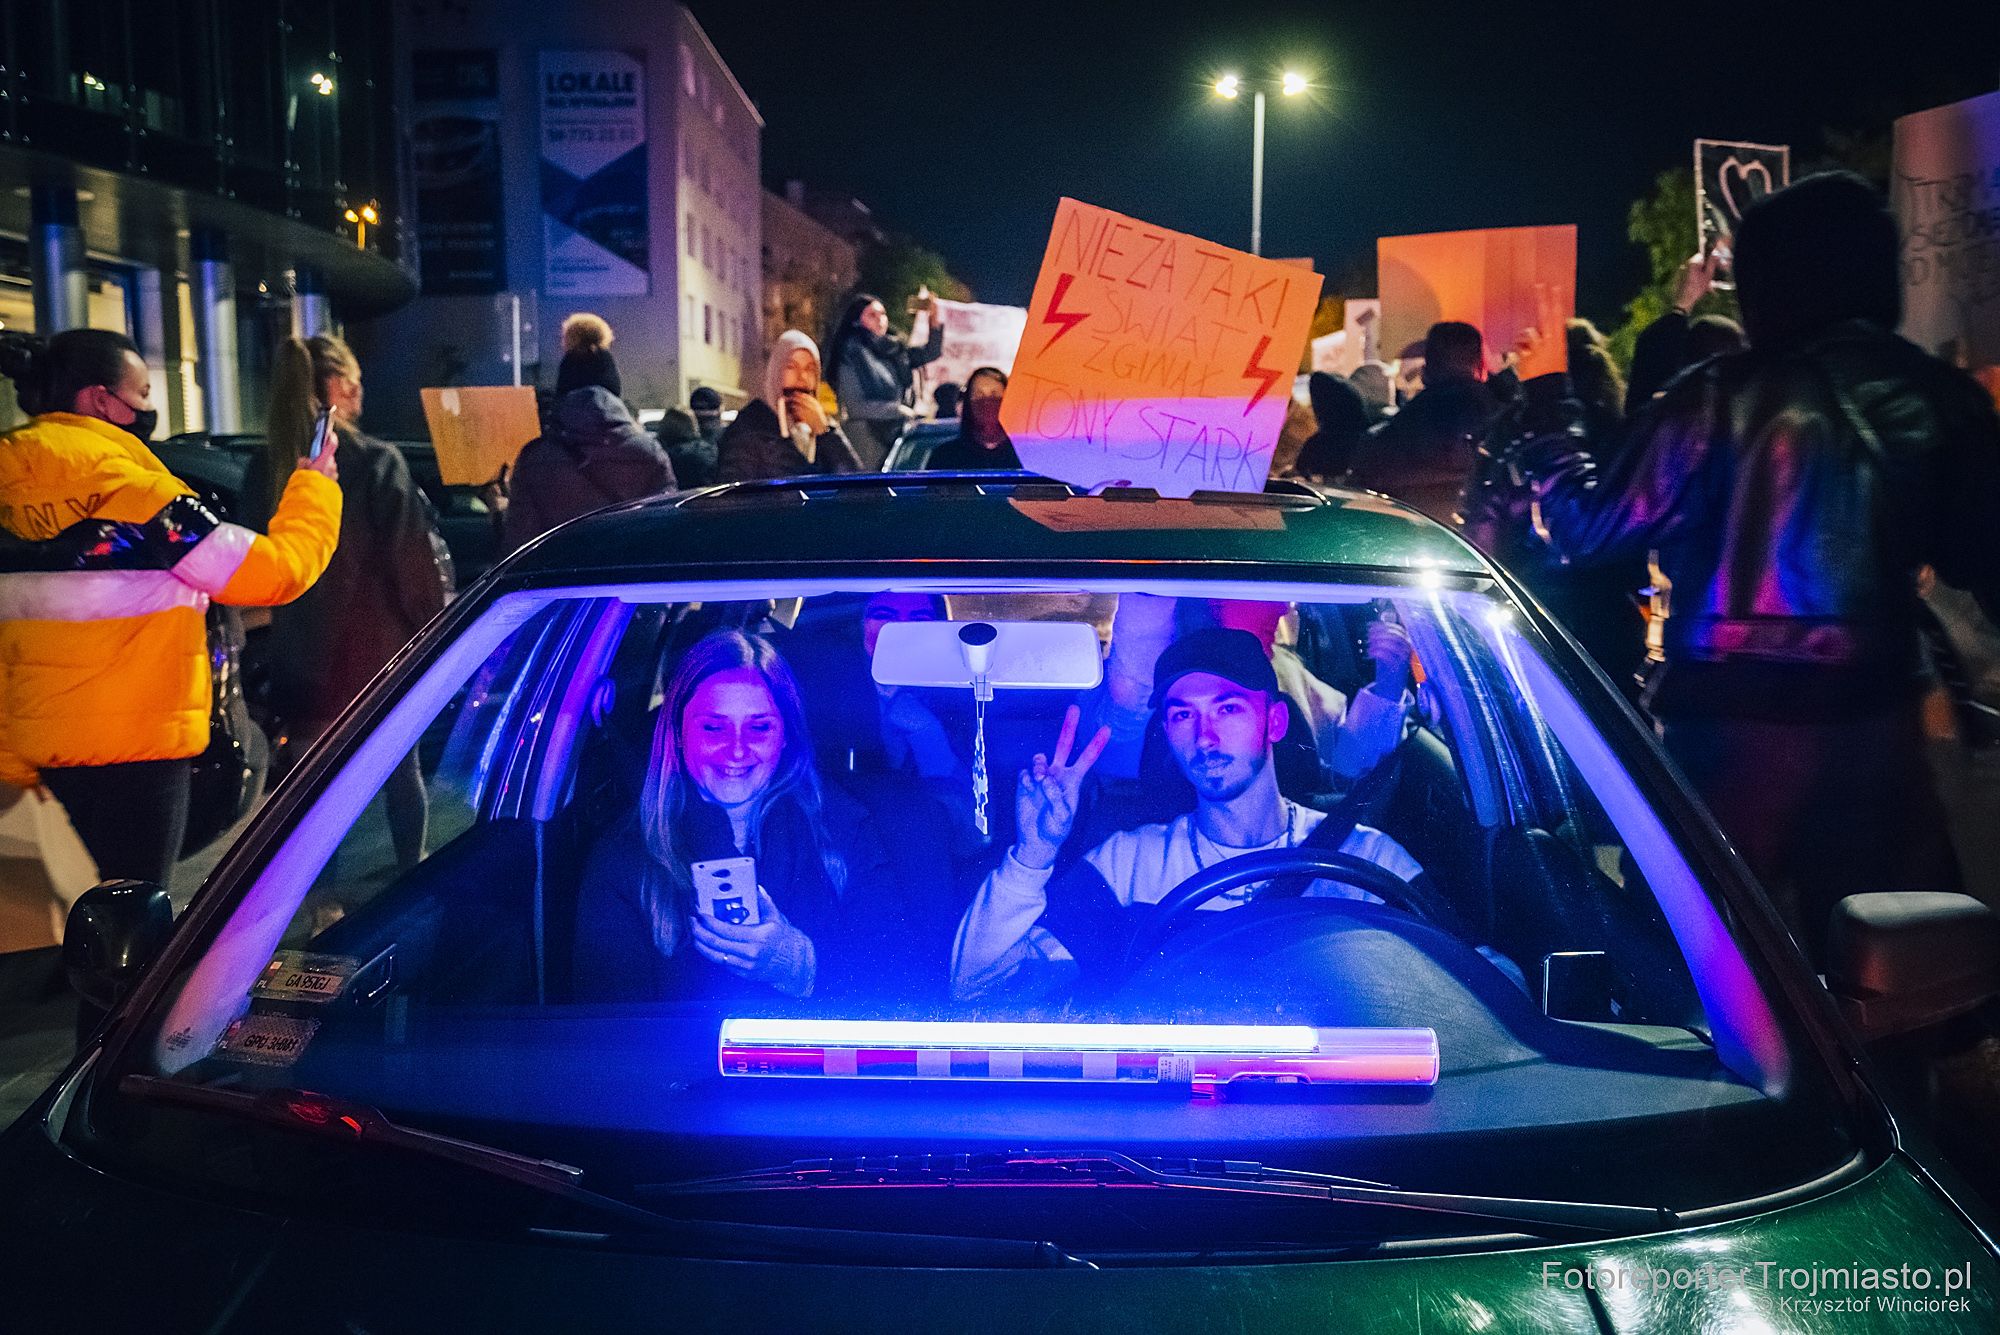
{"type": "Point", "coordinates": [752, 449]}
{"type": "Point", "coordinates": [1792, 492]}
{"type": "Point", "coordinates": [875, 374]}
{"type": "Point", "coordinates": [1423, 456]}
{"type": "Point", "coordinates": [1658, 355]}
{"type": "Point", "coordinates": [1594, 599]}
{"type": "Point", "coordinates": [383, 584]}
{"type": "Point", "coordinates": [854, 928]}
{"type": "Point", "coordinates": [590, 454]}
{"type": "Point", "coordinates": [1340, 420]}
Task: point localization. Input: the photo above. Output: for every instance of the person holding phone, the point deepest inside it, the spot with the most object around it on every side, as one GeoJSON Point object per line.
{"type": "Point", "coordinates": [386, 579]}
{"type": "Point", "coordinates": [787, 433]}
{"type": "Point", "coordinates": [731, 778]}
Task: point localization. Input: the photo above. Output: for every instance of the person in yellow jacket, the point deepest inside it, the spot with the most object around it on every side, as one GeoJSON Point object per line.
{"type": "Point", "coordinates": [104, 674]}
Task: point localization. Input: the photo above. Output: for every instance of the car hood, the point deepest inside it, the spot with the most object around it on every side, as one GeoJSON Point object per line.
{"type": "Point", "coordinates": [92, 1252]}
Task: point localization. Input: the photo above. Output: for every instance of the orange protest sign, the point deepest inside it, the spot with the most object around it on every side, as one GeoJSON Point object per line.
{"type": "Point", "coordinates": [478, 429]}
{"type": "Point", "coordinates": [1508, 281]}
{"type": "Point", "coordinates": [1155, 359]}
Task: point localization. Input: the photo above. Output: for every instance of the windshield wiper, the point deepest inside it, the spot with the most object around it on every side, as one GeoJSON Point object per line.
{"type": "Point", "coordinates": [349, 1122]}
{"type": "Point", "coordinates": [1029, 1168]}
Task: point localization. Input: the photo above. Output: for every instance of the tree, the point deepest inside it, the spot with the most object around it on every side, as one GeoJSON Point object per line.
{"type": "Point", "coordinates": [1664, 224]}
{"type": "Point", "coordinates": [895, 270]}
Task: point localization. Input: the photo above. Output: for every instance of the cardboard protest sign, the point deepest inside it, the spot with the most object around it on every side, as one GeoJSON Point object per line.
{"type": "Point", "coordinates": [1358, 341]}
{"type": "Point", "coordinates": [976, 334]}
{"type": "Point", "coordinates": [1729, 178]}
{"type": "Point", "coordinates": [477, 430]}
{"type": "Point", "coordinates": [1155, 359]}
{"type": "Point", "coordinates": [1947, 199]}
{"type": "Point", "coordinates": [1507, 281]}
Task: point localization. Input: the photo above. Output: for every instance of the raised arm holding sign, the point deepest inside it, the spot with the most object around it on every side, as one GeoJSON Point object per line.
{"type": "Point", "coordinates": [1155, 359]}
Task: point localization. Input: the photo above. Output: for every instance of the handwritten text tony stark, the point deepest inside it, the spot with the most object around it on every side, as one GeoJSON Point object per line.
{"type": "Point", "coordinates": [1156, 358]}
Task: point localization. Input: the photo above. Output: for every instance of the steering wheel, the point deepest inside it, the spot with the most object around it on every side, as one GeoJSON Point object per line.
{"type": "Point", "coordinates": [1180, 903]}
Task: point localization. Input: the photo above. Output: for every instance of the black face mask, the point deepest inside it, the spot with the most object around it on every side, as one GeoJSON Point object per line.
{"type": "Point", "coordinates": [144, 422]}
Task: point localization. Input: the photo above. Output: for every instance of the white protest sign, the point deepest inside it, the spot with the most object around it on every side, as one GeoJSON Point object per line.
{"type": "Point", "coordinates": [976, 334]}
{"type": "Point", "coordinates": [1946, 191]}
{"type": "Point", "coordinates": [1155, 359]}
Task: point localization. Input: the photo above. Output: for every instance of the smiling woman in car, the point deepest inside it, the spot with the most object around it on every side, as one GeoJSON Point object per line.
{"type": "Point", "coordinates": [731, 776]}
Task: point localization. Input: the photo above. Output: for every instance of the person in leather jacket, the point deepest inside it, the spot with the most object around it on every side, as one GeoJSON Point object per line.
{"type": "Point", "coordinates": [1792, 492]}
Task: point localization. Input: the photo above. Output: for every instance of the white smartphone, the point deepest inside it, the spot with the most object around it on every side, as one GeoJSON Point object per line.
{"type": "Point", "coordinates": [726, 890]}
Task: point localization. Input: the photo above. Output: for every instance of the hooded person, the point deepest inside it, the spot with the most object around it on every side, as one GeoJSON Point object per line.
{"type": "Point", "coordinates": [1342, 420]}
{"type": "Point", "coordinates": [1792, 492]}
{"type": "Point", "coordinates": [786, 433]}
{"type": "Point", "coordinates": [982, 444]}
{"type": "Point", "coordinates": [591, 453]}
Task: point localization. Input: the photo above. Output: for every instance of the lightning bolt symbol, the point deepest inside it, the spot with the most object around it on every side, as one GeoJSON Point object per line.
{"type": "Point", "coordinates": [1055, 315]}
{"type": "Point", "coordinates": [1252, 371]}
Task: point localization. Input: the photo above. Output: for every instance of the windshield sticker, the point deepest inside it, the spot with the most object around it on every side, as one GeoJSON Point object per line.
{"type": "Point", "coordinates": [266, 1040]}
{"type": "Point", "coordinates": [1095, 515]}
{"type": "Point", "coordinates": [293, 975]}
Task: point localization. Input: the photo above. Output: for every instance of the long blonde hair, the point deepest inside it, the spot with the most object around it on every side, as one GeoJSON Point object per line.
{"type": "Point", "coordinates": [670, 790]}
{"type": "Point", "coordinates": [295, 409]}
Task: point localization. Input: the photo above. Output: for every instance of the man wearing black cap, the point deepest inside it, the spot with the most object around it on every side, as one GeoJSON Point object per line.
{"type": "Point", "coordinates": [1221, 709]}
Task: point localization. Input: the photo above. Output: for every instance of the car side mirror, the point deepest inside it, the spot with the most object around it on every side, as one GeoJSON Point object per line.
{"type": "Point", "coordinates": [114, 931]}
{"type": "Point", "coordinates": [1902, 960]}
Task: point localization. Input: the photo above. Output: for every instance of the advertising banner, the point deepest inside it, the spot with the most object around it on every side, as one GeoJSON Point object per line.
{"type": "Point", "coordinates": [1946, 192]}
{"type": "Point", "coordinates": [1516, 284]}
{"type": "Point", "coordinates": [1155, 359]}
{"type": "Point", "coordinates": [1729, 178]}
{"type": "Point", "coordinates": [596, 235]}
{"type": "Point", "coordinates": [455, 163]}
{"type": "Point", "coordinates": [976, 334]}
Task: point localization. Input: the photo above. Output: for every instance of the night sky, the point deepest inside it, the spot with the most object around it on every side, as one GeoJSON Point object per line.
{"type": "Point", "coordinates": [961, 124]}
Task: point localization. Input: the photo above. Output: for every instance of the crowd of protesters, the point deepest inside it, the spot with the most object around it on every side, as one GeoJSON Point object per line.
{"type": "Point", "coordinates": [1738, 531]}
{"type": "Point", "coordinates": [1775, 496]}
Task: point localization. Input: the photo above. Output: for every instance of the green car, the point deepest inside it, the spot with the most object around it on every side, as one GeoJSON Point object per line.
{"type": "Point", "coordinates": [957, 902]}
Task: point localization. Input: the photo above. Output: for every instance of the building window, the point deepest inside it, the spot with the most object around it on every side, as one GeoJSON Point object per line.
{"type": "Point", "coordinates": [691, 236]}
{"type": "Point", "coordinates": [687, 329]}
{"type": "Point", "coordinates": [687, 69]}
{"type": "Point", "coordinates": [707, 323]}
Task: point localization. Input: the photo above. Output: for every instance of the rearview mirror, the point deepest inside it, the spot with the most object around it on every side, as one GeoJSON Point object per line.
{"type": "Point", "coordinates": [114, 931]}
{"type": "Point", "coordinates": [1018, 655]}
{"type": "Point", "coordinates": [1906, 959]}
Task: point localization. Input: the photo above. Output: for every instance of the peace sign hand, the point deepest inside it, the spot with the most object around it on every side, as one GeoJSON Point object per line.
{"type": "Point", "coordinates": [1046, 796]}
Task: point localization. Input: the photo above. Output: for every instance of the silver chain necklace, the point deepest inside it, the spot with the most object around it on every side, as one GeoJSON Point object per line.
{"type": "Point", "coordinates": [1291, 836]}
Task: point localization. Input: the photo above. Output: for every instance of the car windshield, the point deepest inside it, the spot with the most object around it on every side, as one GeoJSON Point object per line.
{"type": "Point", "coordinates": [719, 877]}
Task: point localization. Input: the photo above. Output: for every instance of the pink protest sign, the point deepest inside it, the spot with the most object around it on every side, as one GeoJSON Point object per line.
{"type": "Point", "coordinates": [1155, 359]}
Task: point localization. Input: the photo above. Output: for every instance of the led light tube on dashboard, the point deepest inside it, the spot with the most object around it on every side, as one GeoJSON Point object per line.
{"type": "Point", "coordinates": [1200, 1055]}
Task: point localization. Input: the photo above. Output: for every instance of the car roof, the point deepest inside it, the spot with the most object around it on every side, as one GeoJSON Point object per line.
{"type": "Point", "coordinates": [950, 518]}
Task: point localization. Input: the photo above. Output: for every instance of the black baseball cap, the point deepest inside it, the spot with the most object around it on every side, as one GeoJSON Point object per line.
{"type": "Point", "coordinates": [705, 400]}
{"type": "Point", "coordinates": [1234, 655]}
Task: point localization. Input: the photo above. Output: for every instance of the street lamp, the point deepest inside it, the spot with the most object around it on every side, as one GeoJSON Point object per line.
{"type": "Point", "coordinates": [1229, 86]}
{"type": "Point", "coordinates": [361, 221]}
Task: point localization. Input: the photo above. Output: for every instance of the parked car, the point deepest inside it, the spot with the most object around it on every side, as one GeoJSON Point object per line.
{"type": "Point", "coordinates": [1572, 1075]}
{"type": "Point", "coordinates": [913, 448]}
{"type": "Point", "coordinates": [217, 464]}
